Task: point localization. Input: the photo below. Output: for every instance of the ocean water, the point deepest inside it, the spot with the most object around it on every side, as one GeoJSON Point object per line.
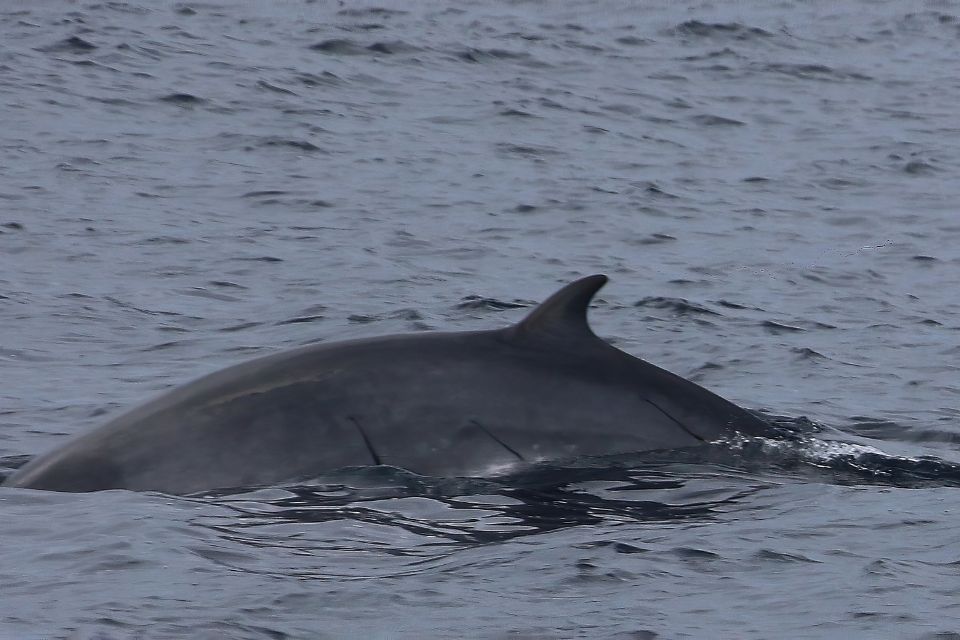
{"type": "Point", "coordinates": [770, 186]}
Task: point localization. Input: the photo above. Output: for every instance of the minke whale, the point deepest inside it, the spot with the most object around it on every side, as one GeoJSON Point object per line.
{"type": "Point", "coordinates": [436, 403]}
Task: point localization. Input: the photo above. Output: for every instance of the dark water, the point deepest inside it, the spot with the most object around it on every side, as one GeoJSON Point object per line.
{"type": "Point", "coordinates": [771, 186]}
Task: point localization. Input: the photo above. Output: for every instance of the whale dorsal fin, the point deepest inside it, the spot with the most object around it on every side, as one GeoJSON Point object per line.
{"type": "Point", "coordinates": [562, 316]}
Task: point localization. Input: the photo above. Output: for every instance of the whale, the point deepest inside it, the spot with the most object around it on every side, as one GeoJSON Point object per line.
{"type": "Point", "coordinates": [446, 404]}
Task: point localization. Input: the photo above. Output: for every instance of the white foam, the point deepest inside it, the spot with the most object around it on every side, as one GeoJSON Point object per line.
{"type": "Point", "coordinates": [831, 450]}
{"type": "Point", "coordinates": [813, 450]}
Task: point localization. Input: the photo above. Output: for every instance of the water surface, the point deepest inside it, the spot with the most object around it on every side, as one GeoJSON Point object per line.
{"type": "Point", "coordinates": [771, 188]}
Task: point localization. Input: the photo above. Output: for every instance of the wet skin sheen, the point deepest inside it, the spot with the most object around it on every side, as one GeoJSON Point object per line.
{"type": "Point", "coordinates": [442, 404]}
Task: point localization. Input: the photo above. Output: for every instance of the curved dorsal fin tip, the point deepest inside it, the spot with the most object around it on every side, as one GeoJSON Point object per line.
{"type": "Point", "coordinates": [564, 314]}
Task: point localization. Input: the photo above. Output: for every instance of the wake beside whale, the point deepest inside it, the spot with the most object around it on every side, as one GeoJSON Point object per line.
{"type": "Point", "coordinates": [435, 403]}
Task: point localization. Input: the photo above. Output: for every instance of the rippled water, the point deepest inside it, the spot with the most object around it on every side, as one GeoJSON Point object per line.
{"type": "Point", "coordinates": [771, 187]}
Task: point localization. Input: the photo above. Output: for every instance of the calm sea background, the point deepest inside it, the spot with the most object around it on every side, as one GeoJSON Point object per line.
{"type": "Point", "coordinates": [771, 186]}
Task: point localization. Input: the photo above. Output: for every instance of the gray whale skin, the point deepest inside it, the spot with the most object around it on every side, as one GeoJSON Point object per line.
{"type": "Point", "coordinates": [436, 403]}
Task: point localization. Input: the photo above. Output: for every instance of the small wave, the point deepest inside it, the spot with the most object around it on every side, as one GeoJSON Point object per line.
{"type": "Point", "coordinates": [919, 167]}
{"type": "Point", "coordinates": [730, 30]}
{"type": "Point", "coordinates": [634, 41]}
{"type": "Point", "coordinates": [73, 44]}
{"type": "Point", "coordinates": [709, 120]}
{"type": "Point", "coordinates": [347, 47]}
{"type": "Point", "coordinates": [778, 328]}
{"type": "Point", "coordinates": [726, 52]}
{"type": "Point", "coordinates": [367, 12]}
{"type": "Point", "coordinates": [516, 113]}
{"type": "Point", "coordinates": [301, 145]}
{"type": "Point", "coordinates": [325, 79]}
{"type": "Point", "coordinates": [491, 304]}
{"type": "Point", "coordinates": [678, 306]}
{"type": "Point", "coordinates": [300, 319]}
{"type": "Point", "coordinates": [805, 353]}
{"type": "Point", "coordinates": [893, 431]}
{"type": "Point", "coordinates": [528, 151]}
{"type": "Point", "coordinates": [182, 99]}
{"type": "Point", "coordinates": [736, 305]}
{"type": "Point", "coordinates": [814, 72]}
{"type": "Point", "coordinates": [9, 464]}
{"type": "Point", "coordinates": [490, 56]}
{"type": "Point", "coordinates": [339, 46]}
